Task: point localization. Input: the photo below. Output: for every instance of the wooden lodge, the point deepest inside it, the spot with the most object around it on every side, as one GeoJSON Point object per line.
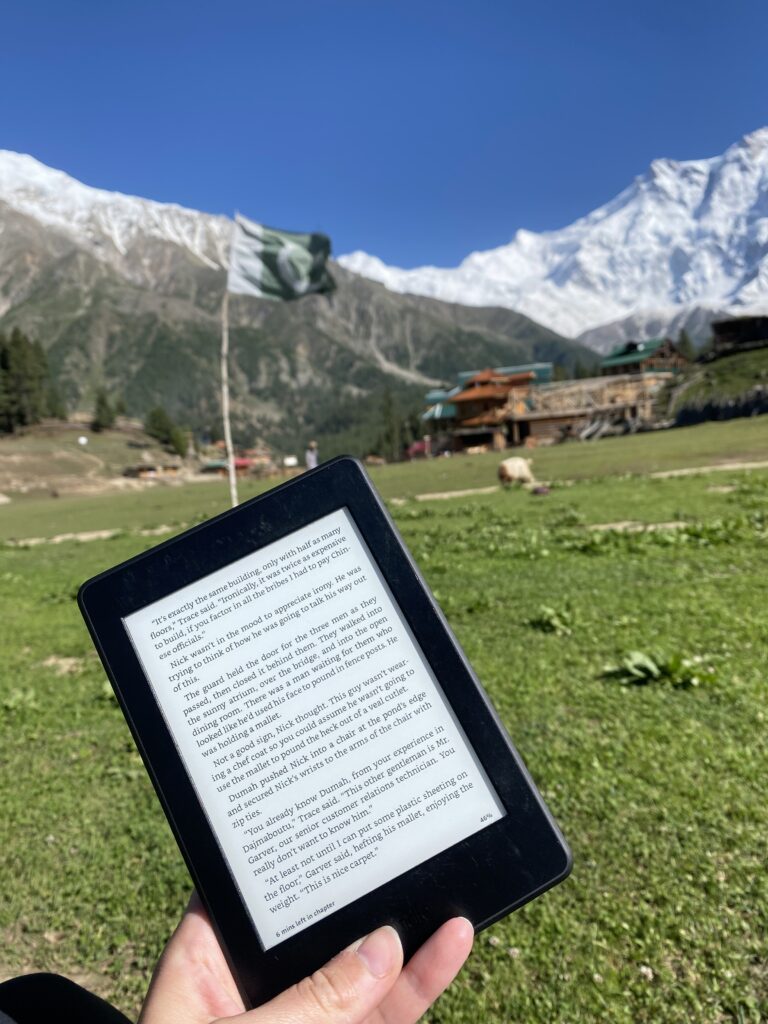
{"type": "Point", "coordinates": [642, 356]}
{"type": "Point", "coordinates": [475, 412]}
{"type": "Point", "coordinates": [498, 408]}
{"type": "Point", "coordinates": [485, 402]}
{"type": "Point", "coordinates": [588, 408]}
{"type": "Point", "coordinates": [741, 334]}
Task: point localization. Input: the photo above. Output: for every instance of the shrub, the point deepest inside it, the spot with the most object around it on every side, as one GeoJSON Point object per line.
{"type": "Point", "coordinates": [104, 414]}
{"type": "Point", "coordinates": [679, 671]}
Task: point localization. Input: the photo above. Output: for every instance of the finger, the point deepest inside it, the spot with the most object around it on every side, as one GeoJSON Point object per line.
{"type": "Point", "coordinates": [429, 972]}
{"type": "Point", "coordinates": [346, 991]}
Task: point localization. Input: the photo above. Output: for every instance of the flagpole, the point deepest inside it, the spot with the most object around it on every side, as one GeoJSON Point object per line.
{"type": "Point", "coordinates": [225, 398]}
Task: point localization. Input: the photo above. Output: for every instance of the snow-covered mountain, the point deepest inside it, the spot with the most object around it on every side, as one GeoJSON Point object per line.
{"type": "Point", "coordinates": [108, 224]}
{"type": "Point", "coordinates": [126, 294]}
{"type": "Point", "coordinates": [686, 241]}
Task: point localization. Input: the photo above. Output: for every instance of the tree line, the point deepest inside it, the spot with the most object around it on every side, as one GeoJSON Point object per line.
{"type": "Point", "coordinates": [27, 391]}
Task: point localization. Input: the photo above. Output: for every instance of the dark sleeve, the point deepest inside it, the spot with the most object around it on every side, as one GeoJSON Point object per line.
{"type": "Point", "coordinates": [43, 998]}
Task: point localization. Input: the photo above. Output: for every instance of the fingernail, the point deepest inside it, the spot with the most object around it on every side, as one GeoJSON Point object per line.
{"type": "Point", "coordinates": [380, 950]}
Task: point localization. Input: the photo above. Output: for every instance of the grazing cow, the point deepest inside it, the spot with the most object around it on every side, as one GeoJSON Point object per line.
{"type": "Point", "coordinates": [516, 471]}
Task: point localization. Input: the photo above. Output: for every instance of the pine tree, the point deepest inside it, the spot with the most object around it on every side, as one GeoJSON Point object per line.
{"type": "Point", "coordinates": [104, 414]}
{"type": "Point", "coordinates": [39, 382]}
{"type": "Point", "coordinates": [390, 440]}
{"type": "Point", "coordinates": [23, 381]}
{"type": "Point", "coordinates": [158, 424]}
{"type": "Point", "coordinates": [685, 346]}
{"type": "Point", "coordinates": [6, 419]}
{"type": "Point", "coordinates": [178, 441]}
{"type": "Point", "coordinates": [55, 404]}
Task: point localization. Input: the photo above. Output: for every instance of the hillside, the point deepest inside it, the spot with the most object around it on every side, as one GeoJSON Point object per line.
{"type": "Point", "coordinates": [712, 390]}
{"type": "Point", "coordinates": [124, 292]}
{"type": "Point", "coordinates": [48, 461]}
{"type": "Point", "coordinates": [291, 363]}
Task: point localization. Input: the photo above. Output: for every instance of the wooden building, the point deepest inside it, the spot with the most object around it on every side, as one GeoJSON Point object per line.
{"type": "Point", "coordinates": [588, 408]}
{"type": "Point", "coordinates": [475, 412]}
{"type": "Point", "coordinates": [484, 404]}
{"type": "Point", "coordinates": [642, 356]}
{"type": "Point", "coordinates": [493, 410]}
{"type": "Point", "coordinates": [740, 334]}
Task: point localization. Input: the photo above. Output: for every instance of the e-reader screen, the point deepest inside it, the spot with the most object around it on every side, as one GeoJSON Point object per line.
{"type": "Point", "coordinates": [311, 725]}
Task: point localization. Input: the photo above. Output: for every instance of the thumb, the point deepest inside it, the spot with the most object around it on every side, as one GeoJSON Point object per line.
{"type": "Point", "coordinates": [345, 991]}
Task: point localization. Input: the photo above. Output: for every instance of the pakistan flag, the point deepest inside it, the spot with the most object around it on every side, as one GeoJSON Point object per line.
{"type": "Point", "coordinates": [280, 265]}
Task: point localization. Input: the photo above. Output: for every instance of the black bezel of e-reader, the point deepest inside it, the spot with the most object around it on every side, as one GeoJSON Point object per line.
{"type": "Point", "coordinates": [482, 877]}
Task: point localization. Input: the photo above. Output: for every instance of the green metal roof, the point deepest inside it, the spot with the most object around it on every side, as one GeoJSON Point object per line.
{"type": "Point", "coordinates": [441, 411]}
{"type": "Point", "coordinates": [441, 394]}
{"type": "Point", "coordinates": [632, 352]}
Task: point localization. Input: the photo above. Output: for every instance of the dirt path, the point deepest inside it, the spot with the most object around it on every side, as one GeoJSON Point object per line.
{"type": "Point", "coordinates": [97, 464]}
{"type": "Point", "coordinates": [633, 526]}
{"type": "Point", "coordinates": [88, 535]}
{"type": "Point", "coordinates": [441, 495]}
{"type": "Point", "coordinates": [718, 467]}
{"type": "Point", "coordinates": [658, 475]}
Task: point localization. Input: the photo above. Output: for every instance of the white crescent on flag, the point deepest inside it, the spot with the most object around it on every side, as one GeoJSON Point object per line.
{"type": "Point", "coordinates": [272, 264]}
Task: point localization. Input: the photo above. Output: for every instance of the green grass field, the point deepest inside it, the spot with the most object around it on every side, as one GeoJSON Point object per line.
{"type": "Point", "coordinates": [703, 445]}
{"type": "Point", "coordinates": [708, 444]}
{"type": "Point", "coordinates": [660, 789]}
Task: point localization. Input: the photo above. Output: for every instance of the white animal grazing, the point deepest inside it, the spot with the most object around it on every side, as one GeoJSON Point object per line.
{"type": "Point", "coordinates": [516, 471]}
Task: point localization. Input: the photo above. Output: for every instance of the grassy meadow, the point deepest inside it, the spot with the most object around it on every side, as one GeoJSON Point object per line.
{"type": "Point", "coordinates": [30, 515]}
{"type": "Point", "coordinates": [659, 788]}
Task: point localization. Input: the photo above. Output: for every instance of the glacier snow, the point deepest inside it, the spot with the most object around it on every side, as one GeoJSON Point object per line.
{"type": "Point", "coordinates": [686, 241]}
{"type": "Point", "coordinates": [94, 217]}
{"type": "Point", "coordinates": [684, 235]}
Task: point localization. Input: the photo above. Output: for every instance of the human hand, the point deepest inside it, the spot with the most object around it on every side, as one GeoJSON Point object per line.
{"type": "Point", "coordinates": [365, 984]}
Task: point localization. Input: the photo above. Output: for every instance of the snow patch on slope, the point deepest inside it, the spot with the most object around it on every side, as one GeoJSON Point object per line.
{"type": "Point", "coordinates": [107, 223]}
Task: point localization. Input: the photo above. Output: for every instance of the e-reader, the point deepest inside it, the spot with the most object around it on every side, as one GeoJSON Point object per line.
{"type": "Point", "coordinates": [325, 756]}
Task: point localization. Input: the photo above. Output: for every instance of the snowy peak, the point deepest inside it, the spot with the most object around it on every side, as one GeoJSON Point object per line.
{"type": "Point", "coordinates": [684, 235]}
{"type": "Point", "coordinates": [107, 223]}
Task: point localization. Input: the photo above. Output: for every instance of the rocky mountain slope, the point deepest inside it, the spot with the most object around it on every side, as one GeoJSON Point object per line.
{"type": "Point", "coordinates": [687, 241]}
{"type": "Point", "coordinates": [126, 292]}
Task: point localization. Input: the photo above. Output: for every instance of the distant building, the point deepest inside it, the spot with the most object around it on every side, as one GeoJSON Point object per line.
{"type": "Point", "coordinates": [642, 356]}
{"type": "Point", "coordinates": [488, 401]}
{"type": "Point", "coordinates": [476, 411]}
{"type": "Point", "coordinates": [590, 408]}
{"type": "Point", "coordinates": [515, 405]}
{"type": "Point", "coordinates": [740, 334]}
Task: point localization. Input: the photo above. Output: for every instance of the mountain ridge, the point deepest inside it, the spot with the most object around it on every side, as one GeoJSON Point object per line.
{"type": "Point", "coordinates": [138, 311]}
{"type": "Point", "coordinates": [686, 241]}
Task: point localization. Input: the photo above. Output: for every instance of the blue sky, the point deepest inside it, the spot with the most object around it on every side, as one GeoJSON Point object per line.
{"type": "Point", "coordinates": [417, 131]}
